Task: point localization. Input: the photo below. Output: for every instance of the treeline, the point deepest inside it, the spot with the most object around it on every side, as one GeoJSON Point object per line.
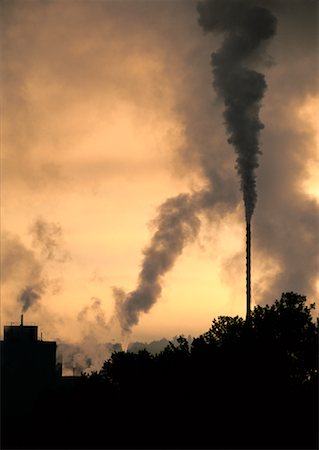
{"type": "Point", "coordinates": [239, 385]}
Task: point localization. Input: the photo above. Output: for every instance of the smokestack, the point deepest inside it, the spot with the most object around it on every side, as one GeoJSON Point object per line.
{"type": "Point", "coordinates": [248, 288]}
{"type": "Point", "coordinates": [21, 320]}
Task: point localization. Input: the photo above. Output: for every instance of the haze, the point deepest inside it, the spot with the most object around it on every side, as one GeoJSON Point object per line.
{"type": "Point", "coordinates": [108, 110]}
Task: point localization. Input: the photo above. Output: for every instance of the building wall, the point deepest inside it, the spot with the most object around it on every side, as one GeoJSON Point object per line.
{"type": "Point", "coordinates": [28, 369]}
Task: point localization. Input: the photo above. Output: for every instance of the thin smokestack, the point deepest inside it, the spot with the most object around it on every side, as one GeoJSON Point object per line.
{"type": "Point", "coordinates": [246, 27]}
{"type": "Point", "coordinates": [21, 323]}
{"type": "Point", "coordinates": [248, 268]}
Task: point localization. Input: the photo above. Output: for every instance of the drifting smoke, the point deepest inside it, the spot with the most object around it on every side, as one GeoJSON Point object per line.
{"type": "Point", "coordinates": [21, 267]}
{"type": "Point", "coordinates": [246, 27]}
{"type": "Point", "coordinates": [89, 354]}
{"type": "Point", "coordinates": [30, 295]}
{"type": "Point", "coordinates": [48, 238]}
{"type": "Point", "coordinates": [93, 313]}
{"type": "Point", "coordinates": [25, 270]}
{"type": "Point", "coordinates": [86, 356]}
{"type": "Point", "coordinates": [177, 224]}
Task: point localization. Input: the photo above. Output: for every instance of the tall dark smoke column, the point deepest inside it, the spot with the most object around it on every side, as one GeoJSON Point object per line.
{"type": "Point", "coordinates": [246, 26]}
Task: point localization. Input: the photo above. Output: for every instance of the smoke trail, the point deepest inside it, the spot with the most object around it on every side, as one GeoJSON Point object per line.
{"type": "Point", "coordinates": [177, 224]}
{"type": "Point", "coordinates": [246, 27]}
{"type": "Point", "coordinates": [29, 272]}
{"type": "Point", "coordinates": [48, 238]}
{"type": "Point", "coordinates": [93, 312]}
{"type": "Point", "coordinates": [30, 295]}
{"type": "Point", "coordinates": [23, 270]}
{"type": "Point", "coordinates": [88, 355]}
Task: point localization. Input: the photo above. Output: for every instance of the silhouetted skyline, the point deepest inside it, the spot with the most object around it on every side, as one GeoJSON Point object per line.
{"type": "Point", "coordinates": [222, 389]}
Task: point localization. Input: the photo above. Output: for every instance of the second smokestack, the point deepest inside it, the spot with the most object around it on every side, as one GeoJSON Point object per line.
{"type": "Point", "coordinates": [248, 265]}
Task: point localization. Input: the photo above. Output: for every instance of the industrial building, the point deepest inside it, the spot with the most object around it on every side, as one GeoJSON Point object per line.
{"type": "Point", "coordinates": [28, 368]}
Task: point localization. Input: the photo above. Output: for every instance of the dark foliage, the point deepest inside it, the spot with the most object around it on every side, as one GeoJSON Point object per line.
{"type": "Point", "coordinates": [239, 385]}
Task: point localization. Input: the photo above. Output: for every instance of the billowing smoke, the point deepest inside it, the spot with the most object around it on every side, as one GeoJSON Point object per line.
{"type": "Point", "coordinates": [23, 270]}
{"type": "Point", "coordinates": [48, 238]}
{"type": "Point", "coordinates": [176, 225]}
{"type": "Point", "coordinates": [90, 352]}
{"type": "Point", "coordinates": [27, 270]}
{"type": "Point", "coordinates": [246, 27]}
{"type": "Point", "coordinates": [86, 356]}
{"type": "Point", "coordinates": [93, 314]}
{"type": "Point", "coordinates": [30, 295]}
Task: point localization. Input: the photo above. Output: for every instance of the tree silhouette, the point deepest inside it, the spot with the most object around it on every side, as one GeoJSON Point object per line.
{"type": "Point", "coordinates": [239, 385]}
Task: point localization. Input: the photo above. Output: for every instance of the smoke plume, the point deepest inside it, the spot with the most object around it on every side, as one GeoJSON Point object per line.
{"type": "Point", "coordinates": [27, 270]}
{"type": "Point", "coordinates": [177, 224]}
{"type": "Point", "coordinates": [87, 356]}
{"type": "Point", "coordinates": [48, 238]}
{"type": "Point", "coordinates": [30, 295]}
{"type": "Point", "coordinates": [93, 314]}
{"type": "Point", "coordinates": [92, 348]}
{"type": "Point", "coordinates": [246, 27]}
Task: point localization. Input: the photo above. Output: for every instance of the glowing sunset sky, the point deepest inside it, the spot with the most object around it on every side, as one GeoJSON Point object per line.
{"type": "Point", "coordinates": [108, 109]}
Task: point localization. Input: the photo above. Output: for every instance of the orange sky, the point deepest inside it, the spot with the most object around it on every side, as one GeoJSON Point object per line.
{"type": "Point", "coordinates": [105, 110]}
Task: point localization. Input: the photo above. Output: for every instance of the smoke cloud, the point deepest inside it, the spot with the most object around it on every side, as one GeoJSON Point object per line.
{"type": "Point", "coordinates": [177, 224]}
{"type": "Point", "coordinates": [90, 352]}
{"type": "Point", "coordinates": [48, 239]}
{"type": "Point", "coordinates": [27, 270]}
{"type": "Point", "coordinates": [21, 268]}
{"type": "Point", "coordinates": [246, 26]}
{"type": "Point", "coordinates": [30, 295]}
{"type": "Point", "coordinates": [93, 313]}
{"type": "Point", "coordinates": [86, 356]}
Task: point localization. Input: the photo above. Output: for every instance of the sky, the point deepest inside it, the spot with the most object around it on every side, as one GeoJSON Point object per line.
{"type": "Point", "coordinates": [108, 110]}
